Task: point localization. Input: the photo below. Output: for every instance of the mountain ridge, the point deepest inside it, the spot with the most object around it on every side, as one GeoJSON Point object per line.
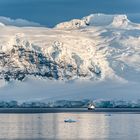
{"type": "Point", "coordinates": [88, 52]}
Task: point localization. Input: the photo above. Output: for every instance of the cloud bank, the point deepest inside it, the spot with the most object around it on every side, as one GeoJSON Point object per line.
{"type": "Point", "coordinates": [17, 22]}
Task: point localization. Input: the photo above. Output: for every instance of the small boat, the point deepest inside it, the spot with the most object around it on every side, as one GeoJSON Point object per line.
{"type": "Point", "coordinates": [91, 107]}
{"type": "Point", "coordinates": [69, 121]}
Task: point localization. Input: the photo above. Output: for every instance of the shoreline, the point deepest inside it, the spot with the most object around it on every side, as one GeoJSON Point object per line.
{"type": "Point", "coordinates": [69, 110]}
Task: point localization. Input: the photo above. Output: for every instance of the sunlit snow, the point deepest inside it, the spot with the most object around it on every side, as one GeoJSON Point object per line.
{"type": "Point", "coordinates": [96, 57]}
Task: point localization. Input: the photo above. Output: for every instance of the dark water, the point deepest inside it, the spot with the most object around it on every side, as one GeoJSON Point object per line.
{"type": "Point", "coordinates": [51, 12]}
{"type": "Point", "coordinates": [52, 126]}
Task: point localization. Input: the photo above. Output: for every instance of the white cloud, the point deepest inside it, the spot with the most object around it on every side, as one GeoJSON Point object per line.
{"type": "Point", "coordinates": [17, 22]}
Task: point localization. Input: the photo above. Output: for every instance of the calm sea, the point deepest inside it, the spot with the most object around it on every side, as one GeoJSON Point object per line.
{"type": "Point", "coordinates": [88, 126]}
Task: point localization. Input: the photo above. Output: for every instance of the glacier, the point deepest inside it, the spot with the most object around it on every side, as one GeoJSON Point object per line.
{"type": "Point", "coordinates": [96, 57]}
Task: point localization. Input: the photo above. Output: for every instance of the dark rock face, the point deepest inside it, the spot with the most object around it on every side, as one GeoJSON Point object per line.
{"type": "Point", "coordinates": [20, 61]}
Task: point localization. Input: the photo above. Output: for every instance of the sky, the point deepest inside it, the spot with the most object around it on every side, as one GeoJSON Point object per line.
{"type": "Point", "coordinates": [52, 12]}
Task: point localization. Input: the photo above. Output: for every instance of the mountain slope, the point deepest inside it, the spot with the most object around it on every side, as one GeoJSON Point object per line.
{"type": "Point", "coordinates": [97, 49]}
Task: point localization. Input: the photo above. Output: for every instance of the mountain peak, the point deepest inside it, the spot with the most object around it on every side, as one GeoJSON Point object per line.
{"type": "Point", "coordinates": [95, 20]}
{"type": "Point", "coordinates": [120, 21]}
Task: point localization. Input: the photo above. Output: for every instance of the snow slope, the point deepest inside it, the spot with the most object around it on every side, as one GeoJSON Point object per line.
{"type": "Point", "coordinates": [97, 56]}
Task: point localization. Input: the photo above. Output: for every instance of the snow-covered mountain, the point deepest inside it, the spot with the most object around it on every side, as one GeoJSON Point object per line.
{"type": "Point", "coordinates": [97, 56]}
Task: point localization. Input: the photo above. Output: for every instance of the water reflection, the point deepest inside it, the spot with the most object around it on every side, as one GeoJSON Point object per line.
{"type": "Point", "coordinates": [52, 126]}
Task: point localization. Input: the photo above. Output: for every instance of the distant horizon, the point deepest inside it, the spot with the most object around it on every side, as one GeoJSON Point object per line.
{"type": "Point", "coordinates": [51, 12]}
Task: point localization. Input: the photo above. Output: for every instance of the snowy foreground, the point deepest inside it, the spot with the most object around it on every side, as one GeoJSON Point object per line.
{"type": "Point", "coordinates": [96, 57]}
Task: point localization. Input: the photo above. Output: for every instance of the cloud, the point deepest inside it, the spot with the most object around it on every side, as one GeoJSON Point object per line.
{"type": "Point", "coordinates": [17, 22]}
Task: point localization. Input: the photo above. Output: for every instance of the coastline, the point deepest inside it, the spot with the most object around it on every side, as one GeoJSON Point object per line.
{"type": "Point", "coordinates": [69, 110]}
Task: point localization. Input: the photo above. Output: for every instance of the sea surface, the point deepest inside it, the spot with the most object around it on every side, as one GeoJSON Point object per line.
{"type": "Point", "coordinates": [52, 12]}
{"type": "Point", "coordinates": [88, 125]}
